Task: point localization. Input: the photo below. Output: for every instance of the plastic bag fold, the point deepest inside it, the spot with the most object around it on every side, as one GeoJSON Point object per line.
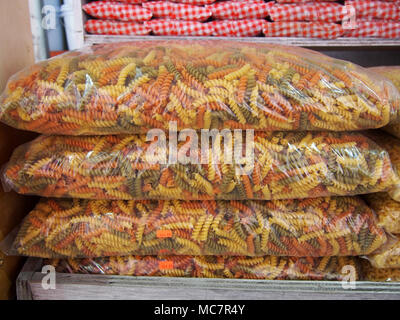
{"type": "Point", "coordinates": [388, 256]}
{"type": "Point", "coordinates": [393, 74]}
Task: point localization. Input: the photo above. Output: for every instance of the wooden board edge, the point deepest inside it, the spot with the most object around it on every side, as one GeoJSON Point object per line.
{"type": "Point", "coordinates": [84, 286]}
{"type": "Point", "coordinates": [28, 271]}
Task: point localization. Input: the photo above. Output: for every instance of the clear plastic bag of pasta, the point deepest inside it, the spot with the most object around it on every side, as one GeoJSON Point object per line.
{"type": "Point", "coordinates": [337, 226]}
{"type": "Point", "coordinates": [262, 268]}
{"type": "Point", "coordinates": [387, 210]}
{"type": "Point", "coordinates": [369, 273]}
{"type": "Point", "coordinates": [392, 146]}
{"type": "Point", "coordinates": [393, 74]}
{"type": "Point", "coordinates": [260, 166]}
{"type": "Point", "coordinates": [132, 87]}
{"type": "Point", "coordinates": [388, 256]}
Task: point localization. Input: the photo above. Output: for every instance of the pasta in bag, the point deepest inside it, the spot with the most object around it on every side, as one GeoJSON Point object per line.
{"type": "Point", "coordinates": [369, 273]}
{"type": "Point", "coordinates": [387, 210]}
{"type": "Point", "coordinates": [393, 74]}
{"type": "Point", "coordinates": [388, 256]}
{"type": "Point", "coordinates": [392, 146]}
{"type": "Point", "coordinates": [267, 268]}
{"type": "Point", "coordinates": [132, 87]}
{"type": "Point", "coordinates": [341, 226]}
{"type": "Point", "coordinates": [278, 165]}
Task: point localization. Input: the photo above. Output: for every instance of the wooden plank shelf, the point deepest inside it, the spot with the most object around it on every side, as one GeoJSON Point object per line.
{"type": "Point", "coordinates": [303, 42]}
{"type": "Point", "coordinates": [100, 287]}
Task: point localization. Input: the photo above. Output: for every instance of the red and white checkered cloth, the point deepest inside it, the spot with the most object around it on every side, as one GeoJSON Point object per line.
{"type": "Point", "coordinates": [131, 1]}
{"type": "Point", "coordinates": [99, 9]}
{"type": "Point", "coordinates": [166, 27]}
{"type": "Point", "coordinates": [240, 28]}
{"type": "Point", "coordinates": [177, 11]}
{"type": "Point", "coordinates": [117, 11]}
{"type": "Point", "coordinates": [253, 10]}
{"type": "Point", "coordinates": [235, 10]}
{"type": "Point", "coordinates": [375, 29]}
{"type": "Point", "coordinates": [193, 28]}
{"type": "Point", "coordinates": [195, 2]}
{"type": "Point", "coordinates": [99, 26]}
{"type": "Point", "coordinates": [159, 9]}
{"type": "Point", "coordinates": [110, 27]}
{"type": "Point", "coordinates": [303, 29]}
{"type": "Point", "coordinates": [190, 12]}
{"type": "Point", "coordinates": [388, 10]}
{"type": "Point", "coordinates": [326, 12]}
{"type": "Point", "coordinates": [223, 10]}
{"type": "Point", "coordinates": [161, 27]}
{"type": "Point", "coordinates": [248, 1]}
{"type": "Point", "coordinates": [302, 1]}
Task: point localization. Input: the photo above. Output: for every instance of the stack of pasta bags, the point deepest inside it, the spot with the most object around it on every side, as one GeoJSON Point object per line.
{"type": "Point", "coordinates": [385, 264]}
{"type": "Point", "coordinates": [271, 196]}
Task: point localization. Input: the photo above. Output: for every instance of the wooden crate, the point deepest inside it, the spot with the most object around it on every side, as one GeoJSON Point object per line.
{"type": "Point", "coordinates": [100, 287]}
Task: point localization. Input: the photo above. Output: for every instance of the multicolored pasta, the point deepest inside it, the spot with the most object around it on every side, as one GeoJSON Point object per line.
{"type": "Point", "coordinates": [73, 228]}
{"type": "Point", "coordinates": [388, 256]}
{"type": "Point", "coordinates": [392, 146]}
{"type": "Point", "coordinates": [283, 165]}
{"type": "Point", "coordinates": [387, 210]}
{"type": "Point", "coordinates": [369, 273]}
{"type": "Point", "coordinates": [390, 72]}
{"type": "Point", "coordinates": [132, 87]}
{"type": "Point", "coordinates": [393, 74]}
{"type": "Point", "coordinates": [263, 268]}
